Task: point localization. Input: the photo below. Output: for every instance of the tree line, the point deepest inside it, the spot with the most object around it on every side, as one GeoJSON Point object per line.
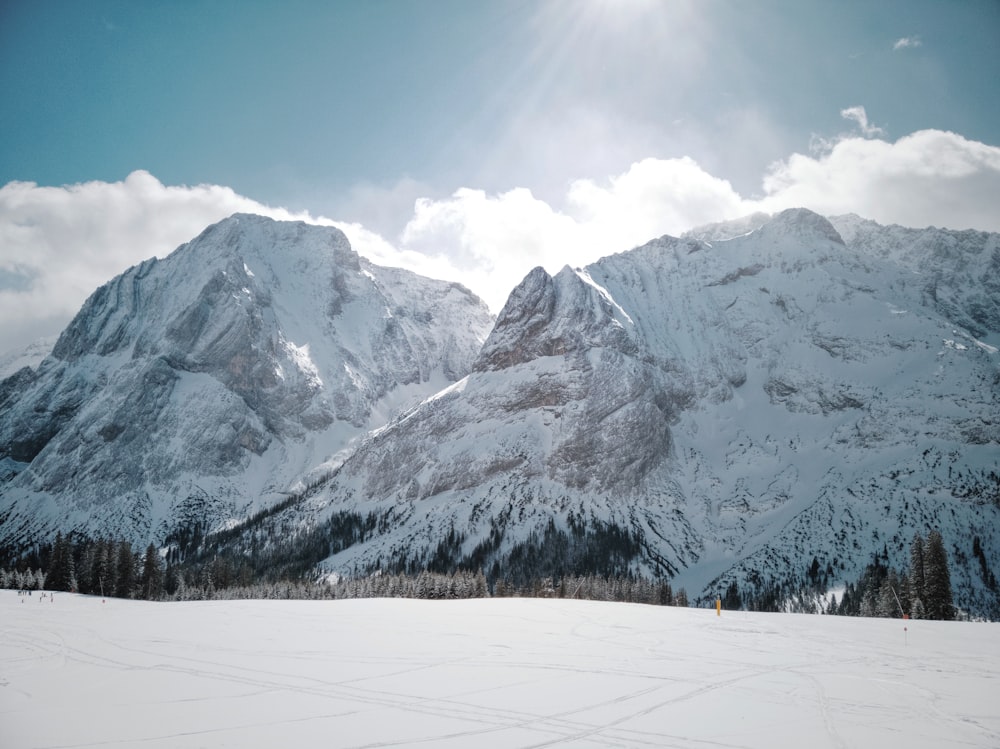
{"type": "Point", "coordinates": [113, 568]}
{"type": "Point", "coordinates": [922, 590]}
{"type": "Point", "coordinates": [199, 568]}
{"type": "Point", "coordinates": [74, 564]}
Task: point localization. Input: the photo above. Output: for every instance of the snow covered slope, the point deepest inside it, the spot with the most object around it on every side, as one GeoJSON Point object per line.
{"type": "Point", "coordinates": [492, 674]}
{"type": "Point", "coordinates": [736, 408]}
{"type": "Point", "coordinates": [725, 407]}
{"type": "Point", "coordinates": [209, 384]}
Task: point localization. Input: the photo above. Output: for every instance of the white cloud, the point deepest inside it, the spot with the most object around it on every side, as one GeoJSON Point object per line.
{"type": "Point", "coordinates": [492, 241]}
{"type": "Point", "coordinates": [859, 116]}
{"type": "Point", "coordinates": [58, 244]}
{"type": "Point", "coordinates": [654, 197]}
{"type": "Point", "coordinates": [906, 42]}
{"type": "Point", "coordinates": [930, 177]}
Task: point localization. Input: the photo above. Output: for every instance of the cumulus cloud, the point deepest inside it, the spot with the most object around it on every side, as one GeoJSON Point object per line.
{"type": "Point", "coordinates": [492, 241]}
{"type": "Point", "coordinates": [57, 244]}
{"type": "Point", "coordinates": [654, 197]}
{"type": "Point", "coordinates": [489, 242]}
{"type": "Point", "coordinates": [930, 177]}
{"type": "Point", "coordinates": [906, 42]}
{"type": "Point", "coordinates": [860, 116]}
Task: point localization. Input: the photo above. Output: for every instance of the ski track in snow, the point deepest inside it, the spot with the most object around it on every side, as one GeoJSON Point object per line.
{"type": "Point", "coordinates": [76, 672]}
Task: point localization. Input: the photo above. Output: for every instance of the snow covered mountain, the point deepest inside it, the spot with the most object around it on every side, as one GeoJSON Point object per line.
{"type": "Point", "coordinates": [721, 411]}
{"type": "Point", "coordinates": [208, 385]}
{"type": "Point", "coordinates": [735, 406]}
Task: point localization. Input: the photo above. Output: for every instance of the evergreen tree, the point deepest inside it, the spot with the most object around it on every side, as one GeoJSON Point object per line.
{"type": "Point", "coordinates": [831, 607]}
{"type": "Point", "coordinates": [731, 600]}
{"type": "Point", "coordinates": [152, 574]}
{"type": "Point", "coordinates": [937, 579]}
{"type": "Point", "coordinates": [887, 604]}
{"type": "Point", "coordinates": [84, 577]}
{"type": "Point", "coordinates": [61, 575]}
{"type": "Point", "coordinates": [126, 570]}
{"type": "Point", "coordinates": [917, 585]}
{"type": "Point", "coordinates": [104, 573]}
{"type": "Point", "coordinates": [904, 592]}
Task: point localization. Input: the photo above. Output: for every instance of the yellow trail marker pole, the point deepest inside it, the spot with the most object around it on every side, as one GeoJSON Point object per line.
{"type": "Point", "coordinates": [718, 607]}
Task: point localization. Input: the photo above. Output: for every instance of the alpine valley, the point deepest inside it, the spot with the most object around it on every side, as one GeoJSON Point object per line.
{"type": "Point", "coordinates": [724, 409]}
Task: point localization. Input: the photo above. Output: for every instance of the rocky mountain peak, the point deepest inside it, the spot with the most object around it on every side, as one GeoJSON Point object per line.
{"type": "Point", "coordinates": [742, 404]}
{"type": "Point", "coordinates": [555, 316]}
{"type": "Point", "coordinates": [218, 377]}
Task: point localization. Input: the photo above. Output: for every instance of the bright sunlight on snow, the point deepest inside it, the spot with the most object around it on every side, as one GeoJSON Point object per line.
{"type": "Point", "coordinates": [79, 672]}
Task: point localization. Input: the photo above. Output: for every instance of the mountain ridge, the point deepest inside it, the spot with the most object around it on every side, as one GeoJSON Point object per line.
{"type": "Point", "coordinates": [721, 408]}
{"type": "Point", "coordinates": [222, 374]}
{"type": "Point", "coordinates": [777, 380]}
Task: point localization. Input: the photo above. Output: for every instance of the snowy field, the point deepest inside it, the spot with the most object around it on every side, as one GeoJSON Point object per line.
{"type": "Point", "coordinates": [76, 672]}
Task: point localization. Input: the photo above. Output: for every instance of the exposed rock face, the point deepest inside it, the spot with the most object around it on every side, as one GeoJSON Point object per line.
{"type": "Point", "coordinates": [742, 405]}
{"type": "Point", "coordinates": [207, 384]}
{"type": "Point", "coordinates": [958, 272]}
{"type": "Point", "coordinates": [738, 401]}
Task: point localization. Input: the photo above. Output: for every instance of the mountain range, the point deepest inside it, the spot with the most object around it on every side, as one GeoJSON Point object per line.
{"type": "Point", "coordinates": [724, 408]}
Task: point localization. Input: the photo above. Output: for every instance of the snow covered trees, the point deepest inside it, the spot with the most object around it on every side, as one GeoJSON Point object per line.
{"type": "Point", "coordinates": [151, 581]}
{"type": "Point", "coordinates": [61, 572]}
{"type": "Point", "coordinates": [930, 579]}
{"type": "Point", "coordinates": [922, 592]}
{"type": "Point", "coordinates": [93, 567]}
{"type": "Point", "coordinates": [937, 595]}
{"type": "Point", "coordinates": [126, 571]}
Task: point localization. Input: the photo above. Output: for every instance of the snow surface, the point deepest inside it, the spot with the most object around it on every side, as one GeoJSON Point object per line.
{"type": "Point", "coordinates": [79, 672]}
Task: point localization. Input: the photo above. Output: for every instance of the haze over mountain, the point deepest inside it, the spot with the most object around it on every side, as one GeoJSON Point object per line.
{"type": "Point", "coordinates": [722, 407]}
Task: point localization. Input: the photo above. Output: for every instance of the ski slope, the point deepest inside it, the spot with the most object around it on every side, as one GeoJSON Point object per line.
{"type": "Point", "coordinates": [76, 672]}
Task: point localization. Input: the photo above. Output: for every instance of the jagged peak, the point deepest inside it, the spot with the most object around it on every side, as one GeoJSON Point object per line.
{"type": "Point", "coordinates": [554, 316]}
{"type": "Point", "coordinates": [802, 222]}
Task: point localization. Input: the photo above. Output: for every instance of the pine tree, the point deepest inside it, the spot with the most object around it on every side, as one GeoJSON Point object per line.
{"type": "Point", "coordinates": [84, 577]}
{"type": "Point", "coordinates": [104, 573]}
{"type": "Point", "coordinates": [904, 592]}
{"type": "Point", "coordinates": [126, 570]}
{"type": "Point", "coordinates": [917, 584]}
{"type": "Point", "coordinates": [61, 574]}
{"type": "Point", "coordinates": [152, 574]}
{"type": "Point", "coordinates": [937, 579]}
{"type": "Point", "coordinates": [887, 605]}
{"type": "Point", "coordinates": [731, 600]}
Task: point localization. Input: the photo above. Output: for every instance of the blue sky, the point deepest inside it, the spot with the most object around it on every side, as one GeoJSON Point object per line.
{"type": "Point", "coordinates": [547, 116]}
{"type": "Point", "coordinates": [297, 102]}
